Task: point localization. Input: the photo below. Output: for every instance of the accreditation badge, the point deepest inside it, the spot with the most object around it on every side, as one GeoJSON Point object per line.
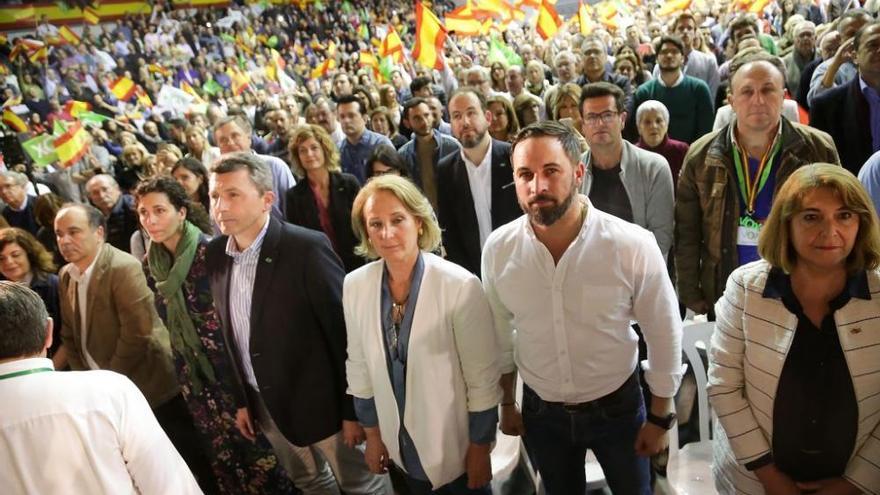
{"type": "Point", "coordinates": [747, 232]}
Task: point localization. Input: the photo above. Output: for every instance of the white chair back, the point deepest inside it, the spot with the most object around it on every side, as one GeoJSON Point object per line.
{"type": "Point", "coordinates": [692, 336]}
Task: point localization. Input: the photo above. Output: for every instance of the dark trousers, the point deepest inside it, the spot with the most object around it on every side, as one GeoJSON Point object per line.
{"type": "Point", "coordinates": [558, 437]}
{"type": "Point", "coordinates": [175, 419]}
{"type": "Point", "coordinates": [456, 487]}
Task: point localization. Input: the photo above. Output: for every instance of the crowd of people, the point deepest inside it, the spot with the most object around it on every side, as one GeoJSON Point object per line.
{"type": "Point", "coordinates": [320, 275]}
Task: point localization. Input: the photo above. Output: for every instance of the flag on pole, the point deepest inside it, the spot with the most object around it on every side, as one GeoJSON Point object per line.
{"type": "Point", "coordinates": [122, 88]}
{"type": "Point", "coordinates": [430, 38]}
{"type": "Point", "coordinates": [13, 121]}
{"type": "Point", "coordinates": [322, 69]}
{"type": "Point", "coordinates": [143, 98]}
{"type": "Point", "coordinates": [500, 52]}
{"type": "Point", "coordinates": [68, 35]}
{"type": "Point", "coordinates": [72, 145]}
{"type": "Point", "coordinates": [212, 87]}
{"type": "Point", "coordinates": [548, 20]}
{"type": "Point", "coordinates": [41, 150]}
{"type": "Point", "coordinates": [392, 46]}
{"type": "Point", "coordinates": [91, 16]}
{"type": "Point", "coordinates": [586, 24]}
{"type": "Point", "coordinates": [158, 69]}
{"type": "Point", "coordinates": [74, 107]}
{"type": "Point", "coordinates": [367, 59]}
{"type": "Point", "coordinates": [39, 55]}
{"type": "Point", "coordinates": [92, 118]}
{"type": "Point", "coordinates": [240, 80]}
{"type": "Point", "coordinates": [462, 21]}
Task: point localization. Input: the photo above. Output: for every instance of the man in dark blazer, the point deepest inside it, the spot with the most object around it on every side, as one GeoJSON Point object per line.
{"type": "Point", "coordinates": [846, 112]}
{"type": "Point", "coordinates": [475, 190]}
{"type": "Point", "coordinates": [278, 294]}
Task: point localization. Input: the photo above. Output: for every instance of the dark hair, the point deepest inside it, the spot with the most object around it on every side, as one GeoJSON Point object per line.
{"type": "Point", "coordinates": [419, 83]}
{"type": "Point", "coordinates": [854, 13]}
{"type": "Point", "coordinates": [40, 259]}
{"type": "Point", "coordinates": [668, 38]}
{"type": "Point", "coordinates": [178, 198]}
{"type": "Point", "coordinates": [564, 133]}
{"type": "Point", "coordinates": [743, 20]}
{"type": "Point", "coordinates": [198, 169]}
{"type": "Point", "coordinates": [351, 99]}
{"type": "Point", "coordinates": [389, 156]}
{"type": "Point", "coordinates": [412, 103]}
{"type": "Point", "coordinates": [363, 90]}
{"type": "Point", "coordinates": [470, 90]}
{"type": "Point", "coordinates": [93, 215]}
{"type": "Point", "coordinates": [857, 38]}
{"type": "Point", "coordinates": [46, 207]}
{"type": "Point", "coordinates": [600, 89]}
{"type": "Point", "coordinates": [23, 319]}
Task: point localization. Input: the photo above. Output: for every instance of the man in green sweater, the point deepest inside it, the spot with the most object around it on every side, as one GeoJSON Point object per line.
{"type": "Point", "coordinates": [691, 111]}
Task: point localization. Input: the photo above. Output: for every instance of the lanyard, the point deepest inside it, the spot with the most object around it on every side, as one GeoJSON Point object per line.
{"type": "Point", "coordinates": [750, 187]}
{"type": "Point", "coordinates": [25, 372]}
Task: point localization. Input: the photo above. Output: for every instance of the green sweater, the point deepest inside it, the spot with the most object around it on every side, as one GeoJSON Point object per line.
{"type": "Point", "coordinates": [691, 111]}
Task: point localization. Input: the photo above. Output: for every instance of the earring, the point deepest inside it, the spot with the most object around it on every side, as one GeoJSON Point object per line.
{"type": "Point", "coordinates": [421, 231]}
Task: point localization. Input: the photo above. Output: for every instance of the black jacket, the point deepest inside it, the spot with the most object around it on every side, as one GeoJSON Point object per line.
{"type": "Point", "coordinates": [843, 112]}
{"type": "Point", "coordinates": [456, 213]}
{"type": "Point", "coordinates": [303, 211]}
{"type": "Point", "coordinates": [297, 340]}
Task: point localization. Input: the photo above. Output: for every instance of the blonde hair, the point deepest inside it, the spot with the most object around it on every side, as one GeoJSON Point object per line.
{"type": "Point", "coordinates": [774, 242]}
{"type": "Point", "coordinates": [310, 131]}
{"type": "Point", "coordinates": [413, 200]}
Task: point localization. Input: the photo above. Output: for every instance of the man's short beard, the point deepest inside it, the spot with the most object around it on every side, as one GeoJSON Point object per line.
{"type": "Point", "coordinates": [473, 143]}
{"type": "Point", "coordinates": [548, 215]}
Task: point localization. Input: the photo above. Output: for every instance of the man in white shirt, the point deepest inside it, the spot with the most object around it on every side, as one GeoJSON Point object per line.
{"type": "Point", "coordinates": [93, 430]}
{"type": "Point", "coordinates": [569, 279]}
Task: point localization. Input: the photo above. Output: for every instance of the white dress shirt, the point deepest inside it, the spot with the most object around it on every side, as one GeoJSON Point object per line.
{"type": "Point", "coordinates": [574, 342]}
{"type": "Point", "coordinates": [480, 180]}
{"type": "Point", "coordinates": [241, 294]}
{"type": "Point", "coordinates": [82, 291]}
{"type": "Point", "coordinates": [83, 432]}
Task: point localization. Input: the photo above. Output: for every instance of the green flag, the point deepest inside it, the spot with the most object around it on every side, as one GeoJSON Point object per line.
{"type": "Point", "coordinates": [386, 67]}
{"type": "Point", "coordinates": [319, 5]}
{"type": "Point", "coordinates": [58, 128]}
{"type": "Point", "coordinates": [41, 150]}
{"type": "Point", "coordinates": [364, 32]}
{"type": "Point", "coordinates": [212, 87]}
{"type": "Point", "coordinates": [272, 41]}
{"type": "Point", "coordinates": [346, 7]}
{"type": "Point", "coordinates": [500, 52]}
{"type": "Point", "coordinates": [92, 118]}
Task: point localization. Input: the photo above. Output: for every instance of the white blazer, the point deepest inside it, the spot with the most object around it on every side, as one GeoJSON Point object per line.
{"type": "Point", "coordinates": [452, 364]}
{"type": "Point", "coordinates": [749, 347]}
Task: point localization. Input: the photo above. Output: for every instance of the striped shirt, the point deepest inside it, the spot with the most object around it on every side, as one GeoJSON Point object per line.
{"type": "Point", "coordinates": [241, 289]}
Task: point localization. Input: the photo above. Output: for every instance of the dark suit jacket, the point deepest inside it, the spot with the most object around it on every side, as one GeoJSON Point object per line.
{"type": "Point", "coordinates": [458, 219]}
{"type": "Point", "coordinates": [303, 211]}
{"type": "Point", "coordinates": [298, 341]}
{"type": "Point", "coordinates": [843, 113]}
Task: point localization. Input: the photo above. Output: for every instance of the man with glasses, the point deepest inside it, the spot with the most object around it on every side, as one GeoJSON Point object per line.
{"type": "Point", "coordinates": [687, 98]}
{"type": "Point", "coordinates": [697, 64]}
{"type": "Point", "coordinates": [595, 58]}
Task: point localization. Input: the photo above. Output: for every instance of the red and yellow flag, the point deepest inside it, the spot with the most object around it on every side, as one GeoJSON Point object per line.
{"type": "Point", "coordinates": [673, 6]}
{"type": "Point", "coordinates": [392, 46]}
{"type": "Point", "coordinates": [240, 80]}
{"type": "Point", "coordinates": [39, 55]}
{"type": "Point", "coordinates": [68, 35]}
{"type": "Point", "coordinates": [462, 22]}
{"type": "Point", "coordinates": [122, 88]}
{"type": "Point", "coordinates": [548, 20]}
{"type": "Point", "coordinates": [158, 69]}
{"type": "Point", "coordinates": [74, 107]}
{"type": "Point", "coordinates": [91, 16]}
{"type": "Point", "coordinates": [13, 121]}
{"type": "Point", "coordinates": [368, 59]}
{"type": "Point", "coordinates": [322, 69]}
{"type": "Point", "coordinates": [143, 98]}
{"type": "Point", "coordinates": [584, 20]}
{"type": "Point", "coordinates": [430, 38]}
{"type": "Point", "coordinates": [72, 145]}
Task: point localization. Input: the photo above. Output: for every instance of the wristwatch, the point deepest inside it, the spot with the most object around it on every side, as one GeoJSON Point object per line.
{"type": "Point", "coordinates": [664, 422]}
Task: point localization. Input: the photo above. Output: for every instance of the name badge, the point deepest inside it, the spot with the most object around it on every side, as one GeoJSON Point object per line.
{"type": "Point", "coordinates": [748, 231]}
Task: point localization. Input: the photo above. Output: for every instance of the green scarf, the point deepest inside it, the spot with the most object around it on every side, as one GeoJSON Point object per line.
{"type": "Point", "coordinates": [170, 272]}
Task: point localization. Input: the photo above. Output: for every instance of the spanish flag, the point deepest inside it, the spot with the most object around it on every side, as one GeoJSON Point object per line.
{"type": "Point", "coordinates": [392, 46]}
{"type": "Point", "coordinates": [13, 121]}
{"type": "Point", "coordinates": [68, 35]}
{"type": "Point", "coordinates": [548, 20]}
{"type": "Point", "coordinates": [672, 6]}
{"type": "Point", "coordinates": [584, 20]}
{"type": "Point", "coordinates": [322, 70]}
{"type": "Point", "coordinates": [430, 38]}
{"type": "Point", "coordinates": [158, 69]}
{"type": "Point", "coordinates": [143, 98]}
{"type": "Point", "coordinates": [39, 55]}
{"type": "Point", "coordinates": [72, 145]}
{"type": "Point", "coordinates": [122, 88]}
{"type": "Point", "coordinates": [462, 21]}
{"type": "Point", "coordinates": [367, 59]}
{"type": "Point", "coordinates": [757, 6]}
{"type": "Point", "coordinates": [487, 8]}
{"type": "Point", "coordinates": [91, 16]}
{"type": "Point", "coordinates": [240, 80]}
{"type": "Point", "coordinates": [74, 108]}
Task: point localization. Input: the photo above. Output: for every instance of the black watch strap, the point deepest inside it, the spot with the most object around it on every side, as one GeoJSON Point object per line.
{"type": "Point", "coordinates": [664, 422]}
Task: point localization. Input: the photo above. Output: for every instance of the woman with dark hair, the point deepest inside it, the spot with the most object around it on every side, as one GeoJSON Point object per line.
{"type": "Point", "coordinates": [362, 93]}
{"type": "Point", "coordinates": [23, 259]}
{"type": "Point", "coordinates": [193, 176]}
{"type": "Point", "coordinates": [46, 206]}
{"type": "Point", "coordinates": [386, 160]}
{"type": "Point", "coordinates": [504, 124]}
{"type": "Point", "coordinates": [322, 199]}
{"type": "Point", "coordinates": [381, 121]}
{"type": "Point", "coordinates": [176, 271]}
{"type": "Point", "coordinates": [498, 75]}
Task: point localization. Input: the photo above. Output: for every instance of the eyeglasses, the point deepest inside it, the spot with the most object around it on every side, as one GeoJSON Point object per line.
{"type": "Point", "coordinates": [606, 117]}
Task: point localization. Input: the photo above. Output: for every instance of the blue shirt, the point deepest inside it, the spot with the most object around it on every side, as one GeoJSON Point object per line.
{"type": "Point", "coordinates": [482, 425]}
{"type": "Point", "coordinates": [763, 202]}
{"type": "Point", "coordinates": [353, 157]}
{"type": "Point", "coordinates": [869, 176]}
{"type": "Point", "coordinates": [874, 110]}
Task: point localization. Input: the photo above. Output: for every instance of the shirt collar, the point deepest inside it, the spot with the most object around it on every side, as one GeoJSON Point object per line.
{"type": "Point", "coordinates": [232, 249]}
{"type": "Point", "coordinates": [584, 200]}
{"type": "Point", "coordinates": [487, 159]}
{"type": "Point", "coordinates": [677, 81]}
{"type": "Point", "coordinates": [25, 364]}
{"type": "Point", "coordinates": [866, 90]}
{"type": "Point", "coordinates": [733, 130]}
{"type": "Point", "coordinates": [779, 285]}
{"type": "Point", "coordinates": [23, 204]}
{"type": "Point", "coordinates": [78, 276]}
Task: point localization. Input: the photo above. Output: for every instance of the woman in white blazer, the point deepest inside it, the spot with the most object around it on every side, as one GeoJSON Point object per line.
{"type": "Point", "coordinates": [422, 356]}
{"type": "Point", "coordinates": [794, 366]}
